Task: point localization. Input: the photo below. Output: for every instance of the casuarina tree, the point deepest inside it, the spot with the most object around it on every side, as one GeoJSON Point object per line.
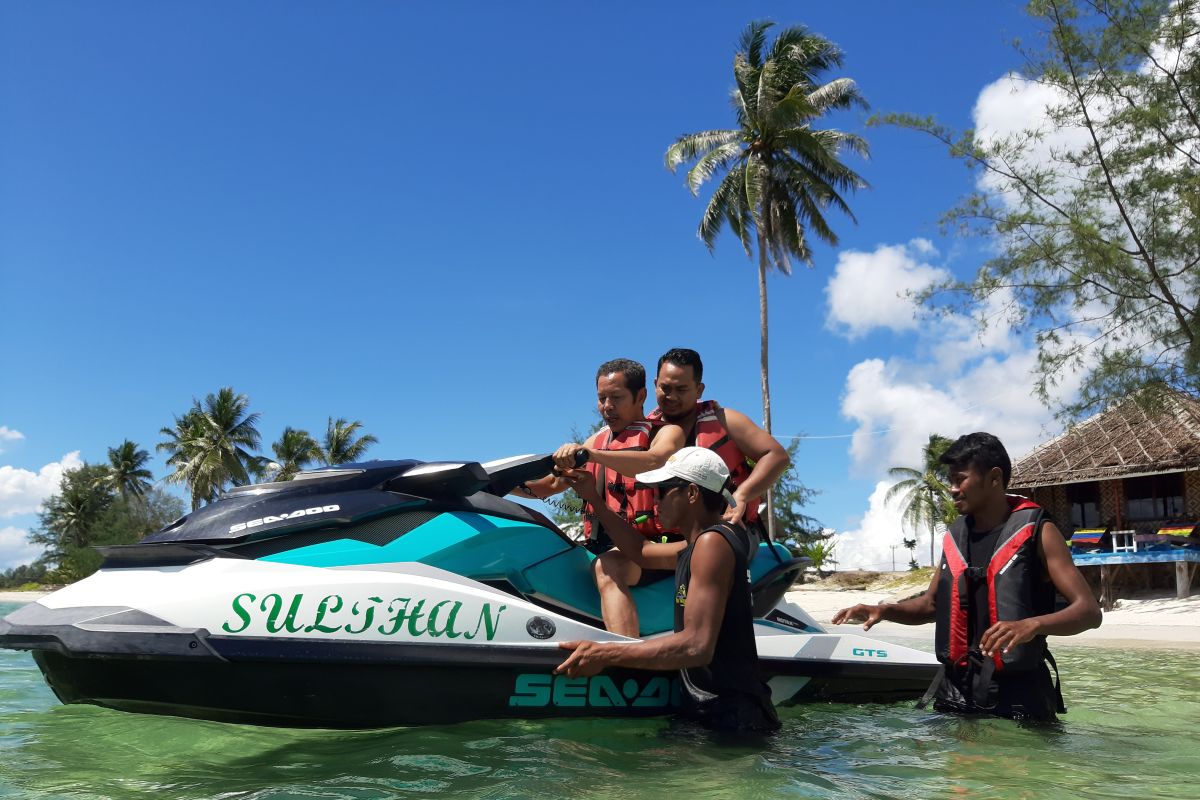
{"type": "Point", "coordinates": [1091, 208]}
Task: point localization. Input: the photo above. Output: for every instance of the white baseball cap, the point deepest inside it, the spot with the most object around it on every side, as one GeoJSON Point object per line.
{"type": "Point", "coordinates": [697, 465]}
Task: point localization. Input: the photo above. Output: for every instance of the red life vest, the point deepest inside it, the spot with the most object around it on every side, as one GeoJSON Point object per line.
{"type": "Point", "coordinates": [620, 492]}
{"type": "Point", "coordinates": [709, 431]}
{"type": "Point", "coordinates": [1015, 589]}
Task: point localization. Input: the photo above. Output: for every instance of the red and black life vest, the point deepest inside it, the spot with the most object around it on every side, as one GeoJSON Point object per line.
{"type": "Point", "coordinates": [620, 492]}
{"type": "Point", "coordinates": [710, 431]}
{"type": "Point", "coordinates": [1016, 589]}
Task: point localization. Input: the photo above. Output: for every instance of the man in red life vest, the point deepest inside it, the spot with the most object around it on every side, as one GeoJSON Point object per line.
{"type": "Point", "coordinates": [728, 433]}
{"type": "Point", "coordinates": [628, 444]}
{"type": "Point", "coordinates": [992, 596]}
{"type": "Point", "coordinates": [754, 458]}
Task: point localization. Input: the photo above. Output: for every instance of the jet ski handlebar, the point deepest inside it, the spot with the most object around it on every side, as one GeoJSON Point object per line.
{"type": "Point", "coordinates": [509, 473]}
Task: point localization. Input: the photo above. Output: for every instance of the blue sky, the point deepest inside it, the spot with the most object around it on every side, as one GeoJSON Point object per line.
{"type": "Point", "coordinates": [439, 220]}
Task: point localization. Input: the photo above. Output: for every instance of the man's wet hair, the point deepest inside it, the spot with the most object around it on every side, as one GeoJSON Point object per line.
{"type": "Point", "coordinates": [635, 373]}
{"type": "Point", "coordinates": [981, 451]}
{"type": "Point", "coordinates": [683, 357]}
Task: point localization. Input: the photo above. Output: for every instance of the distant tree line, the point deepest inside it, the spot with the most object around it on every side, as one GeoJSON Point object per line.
{"type": "Point", "coordinates": [210, 448]}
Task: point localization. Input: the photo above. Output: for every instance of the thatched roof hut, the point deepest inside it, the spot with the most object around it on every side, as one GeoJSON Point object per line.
{"type": "Point", "coordinates": [1125, 486]}
{"type": "Point", "coordinates": [1123, 442]}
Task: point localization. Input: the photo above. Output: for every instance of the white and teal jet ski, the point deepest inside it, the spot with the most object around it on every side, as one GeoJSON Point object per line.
{"type": "Point", "coordinates": [395, 593]}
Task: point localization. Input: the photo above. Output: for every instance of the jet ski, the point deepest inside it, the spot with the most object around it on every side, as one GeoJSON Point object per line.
{"type": "Point", "coordinates": [396, 593]}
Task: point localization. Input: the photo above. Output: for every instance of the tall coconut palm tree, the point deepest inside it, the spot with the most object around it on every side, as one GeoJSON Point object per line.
{"type": "Point", "coordinates": [924, 493]}
{"type": "Point", "coordinates": [126, 473]}
{"type": "Point", "coordinates": [210, 445]}
{"type": "Point", "coordinates": [295, 450]}
{"type": "Point", "coordinates": [341, 447]}
{"type": "Point", "coordinates": [182, 446]}
{"type": "Point", "coordinates": [781, 174]}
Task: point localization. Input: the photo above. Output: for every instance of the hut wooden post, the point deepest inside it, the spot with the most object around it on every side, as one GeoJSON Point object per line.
{"type": "Point", "coordinates": [1106, 588]}
{"type": "Point", "coordinates": [1183, 579]}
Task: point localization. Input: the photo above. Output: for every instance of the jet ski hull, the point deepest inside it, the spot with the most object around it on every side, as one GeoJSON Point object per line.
{"type": "Point", "coordinates": [128, 660]}
{"type": "Point", "coordinates": [390, 594]}
{"type": "Point", "coordinates": [353, 694]}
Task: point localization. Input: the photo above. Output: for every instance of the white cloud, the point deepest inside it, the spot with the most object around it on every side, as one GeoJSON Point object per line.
{"type": "Point", "coordinates": [870, 290]}
{"type": "Point", "coordinates": [869, 546]}
{"type": "Point", "coordinates": [23, 491]}
{"type": "Point", "coordinates": [897, 403]}
{"type": "Point", "coordinates": [956, 379]}
{"type": "Point", "coordinates": [922, 246]}
{"type": "Point", "coordinates": [9, 435]}
{"type": "Point", "coordinates": [896, 411]}
{"type": "Point", "coordinates": [1015, 107]}
{"type": "Point", "coordinates": [15, 549]}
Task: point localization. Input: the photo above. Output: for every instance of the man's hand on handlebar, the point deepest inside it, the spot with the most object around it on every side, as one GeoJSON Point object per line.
{"type": "Point", "coordinates": [567, 456]}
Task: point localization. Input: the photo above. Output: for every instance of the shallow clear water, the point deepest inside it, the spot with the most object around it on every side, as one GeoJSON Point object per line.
{"type": "Point", "coordinates": [1131, 732]}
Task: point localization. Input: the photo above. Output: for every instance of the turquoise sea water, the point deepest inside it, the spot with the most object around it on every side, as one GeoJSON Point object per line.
{"type": "Point", "coordinates": [1131, 733]}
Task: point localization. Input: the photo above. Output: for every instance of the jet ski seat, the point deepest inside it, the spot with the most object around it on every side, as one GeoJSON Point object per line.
{"type": "Point", "coordinates": [768, 589]}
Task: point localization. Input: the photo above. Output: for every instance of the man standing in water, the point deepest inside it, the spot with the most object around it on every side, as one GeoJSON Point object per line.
{"type": "Point", "coordinates": [713, 643]}
{"type": "Point", "coordinates": [993, 595]}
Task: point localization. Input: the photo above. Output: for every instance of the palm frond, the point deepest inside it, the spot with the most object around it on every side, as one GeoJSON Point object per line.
{"type": "Point", "coordinates": [745, 75]}
{"type": "Point", "coordinates": [727, 206]}
{"type": "Point", "coordinates": [817, 153]}
{"type": "Point", "coordinates": [838, 94]}
{"type": "Point", "coordinates": [752, 40]}
{"type": "Point", "coordinates": [711, 162]}
{"type": "Point", "coordinates": [695, 145]}
{"type": "Point", "coordinates": [805, 53]}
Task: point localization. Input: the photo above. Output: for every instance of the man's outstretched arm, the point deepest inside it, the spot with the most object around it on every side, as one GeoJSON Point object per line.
{"type": "Point", "coordinates": [913, 611]}
{"type": "Point", "coordinates": [667, 440]}
{"type": "Point", "coordinates": [708, 592]}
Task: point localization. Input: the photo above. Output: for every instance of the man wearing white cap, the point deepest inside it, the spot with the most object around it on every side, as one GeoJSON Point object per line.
{"type": "Point", "coordinates": [713, 643]}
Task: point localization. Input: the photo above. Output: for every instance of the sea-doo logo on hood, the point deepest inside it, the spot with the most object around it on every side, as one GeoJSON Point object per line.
{"type": "Point", "coordinates": [301, 512]}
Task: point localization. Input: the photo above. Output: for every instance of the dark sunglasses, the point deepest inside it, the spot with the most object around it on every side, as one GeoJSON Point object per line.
{"type": "Point", "coordinates": [666, 486]}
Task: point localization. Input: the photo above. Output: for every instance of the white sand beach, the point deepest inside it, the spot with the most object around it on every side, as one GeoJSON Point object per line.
{"type": "Point", "coordinates": [20, 597]}
{"type": "Point", "coordinates": [1157, 622]}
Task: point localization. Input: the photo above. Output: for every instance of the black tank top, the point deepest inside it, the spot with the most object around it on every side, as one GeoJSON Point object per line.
{"type": "Point", "coordinates": [981, 546]}
{"type": "Point", "coordinates": [734, 668]}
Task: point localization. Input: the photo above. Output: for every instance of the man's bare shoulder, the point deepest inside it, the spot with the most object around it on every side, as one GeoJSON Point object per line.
{"type": "Point", "coordinates": [669, 429]}
{"type": "Point", "coordinates": [712, 544]}
{"type": "Point", "coordinates": [736, 421]}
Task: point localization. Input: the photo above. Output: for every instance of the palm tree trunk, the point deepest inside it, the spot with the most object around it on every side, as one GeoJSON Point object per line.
{"type": "Point", "coordinates": [766, 382]}
{"type": "Point", "coordinates": [933, 523]}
